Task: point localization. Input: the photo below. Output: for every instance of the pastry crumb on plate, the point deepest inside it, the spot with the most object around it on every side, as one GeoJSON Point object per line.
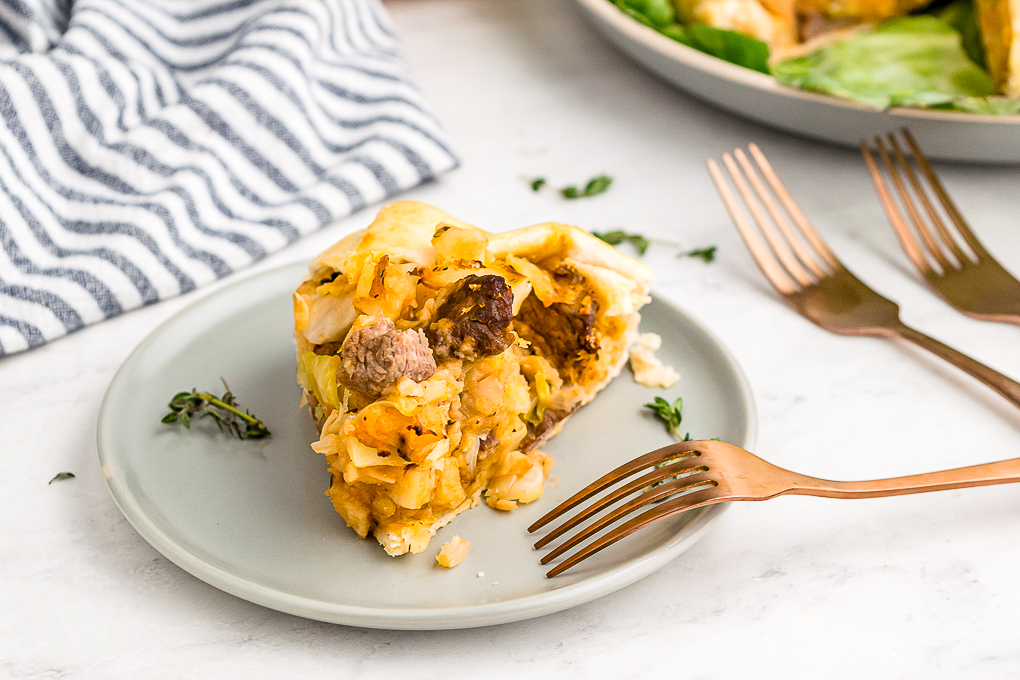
{"type": "Point", "coordinates": [453, 553]}
{"type": "Point", "coordinates": [647, 368]}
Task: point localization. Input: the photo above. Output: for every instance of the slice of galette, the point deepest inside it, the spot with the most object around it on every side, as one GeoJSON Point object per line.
{"type": "Point", "coordinates": [437, 358]}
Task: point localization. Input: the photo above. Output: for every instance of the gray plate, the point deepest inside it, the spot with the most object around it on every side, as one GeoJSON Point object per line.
{"type": "Point", "coordinates": [251, 517]}
{"type": "Point", "coordinates": [947, 135]}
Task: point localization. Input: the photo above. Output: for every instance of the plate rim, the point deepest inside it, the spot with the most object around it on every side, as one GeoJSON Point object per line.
{"type": "Point", "coordinates": [653, 40]}
{"type": "Point", "coordinates": [470, 616]}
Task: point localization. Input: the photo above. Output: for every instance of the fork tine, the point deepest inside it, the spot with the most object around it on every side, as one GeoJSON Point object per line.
{"type": "Point", "coordinates": [673, 452]}
{"type": "Point", "coordinates": [760, 253]}
{"type": "Point", "coordinates": [691, 501]}
{"type": "Point", "coordinates": [931, 246]}
{"type": "Point", "coordinates": [947, 202]}
{"type": "Point", "coordinates": [896, 218]}
{"type": "Point", "coordinates": [948, 242]}
{"type": "Point", "coordinates": [780, 248]}
{"type": "Point", "coordinates": [806, 256]}
{"type": "Point", "coordinates": [657, 475]}
{"type": "Point", "coordinates": [661, 492]}
{"type": "Point", "coordinates": [809, 232]}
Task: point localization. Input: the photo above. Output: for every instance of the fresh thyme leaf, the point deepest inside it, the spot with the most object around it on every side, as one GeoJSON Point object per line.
{"type": "Point", "coordinates": [615, 238]}
{"type": "Point", "coordinates": [671, 415]}
{"type": "Point", "coordinates": [61, 476]}
{"type": "Point", "coordinates": [597, 185]}
{"type": "Point", "coordinates": [640, 242]}
{"type": "Point", "coordinates": [706, 254]}
{"type": "Point", "coordinates": [594, 187]}
{"type": "Point", "coordinates": [223, 410]}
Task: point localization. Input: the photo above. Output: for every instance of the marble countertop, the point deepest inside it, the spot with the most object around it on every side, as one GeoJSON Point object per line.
{"type": "Point", "coordinates": [919, 586]}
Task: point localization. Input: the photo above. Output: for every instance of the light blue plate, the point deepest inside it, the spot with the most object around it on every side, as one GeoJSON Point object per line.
{"type": "Point", "coordinates": [251, 517]}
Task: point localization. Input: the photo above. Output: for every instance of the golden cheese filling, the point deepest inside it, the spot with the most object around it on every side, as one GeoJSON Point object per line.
{"type": "Point", "coordinates": [436, 359]}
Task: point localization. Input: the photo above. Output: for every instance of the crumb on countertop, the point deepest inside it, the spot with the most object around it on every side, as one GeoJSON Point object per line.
{"type": "Point", "coordinates": [453, 553]}
{"type": "Point", "coordinates": [647, 368]}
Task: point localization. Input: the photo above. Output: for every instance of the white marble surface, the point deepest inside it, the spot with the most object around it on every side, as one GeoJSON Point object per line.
{"type": "Point", "coordinates": [922, 586]}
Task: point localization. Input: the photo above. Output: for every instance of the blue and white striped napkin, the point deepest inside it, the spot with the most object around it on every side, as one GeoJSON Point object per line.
{"type": "Point", "coordinates": [150, 146]}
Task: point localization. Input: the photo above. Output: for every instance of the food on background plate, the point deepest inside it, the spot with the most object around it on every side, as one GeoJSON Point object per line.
{"type": "Point", "coordinates": [437, 358]}
{"type": "Point", "coordinates": [956, 55]}
{"type": "Point", "coordinates": [1000, 30]}
{"type": "Point", "coordinates": [774, 22]}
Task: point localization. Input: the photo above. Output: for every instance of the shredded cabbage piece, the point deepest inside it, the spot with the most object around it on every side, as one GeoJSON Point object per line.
{"type": "Point", "coordinates": [537, 412]}
{"type": "Point", "coordinates": [317, 374]}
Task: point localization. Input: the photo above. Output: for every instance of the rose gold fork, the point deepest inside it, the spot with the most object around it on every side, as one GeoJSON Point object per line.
{"type": "Point", "coordinates": [708, 472]}
{"type": "Point", "coordinates": [810, 278]}
{"type": "Point", "coordinates": [968, 277]}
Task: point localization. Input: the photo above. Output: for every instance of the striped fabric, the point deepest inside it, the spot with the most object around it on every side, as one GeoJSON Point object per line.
{"type": "Point", "coordinates": [150, 146]}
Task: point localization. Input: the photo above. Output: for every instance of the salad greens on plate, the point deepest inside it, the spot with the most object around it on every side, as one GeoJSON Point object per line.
{"type": "Point", "coordinates": [731, 46]}
{"type": "Point", "coordinates": [935, 57]}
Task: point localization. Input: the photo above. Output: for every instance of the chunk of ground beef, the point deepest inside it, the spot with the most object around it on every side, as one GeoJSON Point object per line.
{"type": "Point", "coordinates": [474, 321]}
{"type": "Point", "coordinates": [540, 433]}
{"type": "Point", "coordinates": [378, 355]}
{"type": "Point", "coordinates": [562, 333]}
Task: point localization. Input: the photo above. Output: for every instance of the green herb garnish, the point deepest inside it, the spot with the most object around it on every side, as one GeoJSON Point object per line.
{"type": "Point", "coordinates": [671, 415]}
{"type": "Point", "coordinates": [731, 46]}
{"type": "Point", "coordinates": [641, 243]}
{"type": "Point", "coordinates": [615, 238]}
{"type": "Point", "coordinates": [736, 48]}
{"type": "Point", "coordinates": [223, 410]}
{"type": "Point", "coordinates": [706, 254]}
{"type": "Point", "coordinates": [61, 476]}
{"type": "Point", "coordinates": [594, 187]}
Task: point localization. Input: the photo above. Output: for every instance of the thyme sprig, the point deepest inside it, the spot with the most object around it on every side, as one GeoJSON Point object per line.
{"type": "Point", "coordinates": [615, 238]}
{"type": "Point", "coordinates": [641, 243]}
{"type": "Point", "coordinates": [224, 411]}
{"type": "Point", "coordinates": [671, 415]}
{"type": "Point", "coordinates": [594, 187]}
{"type": "Point", "coordinates": [705, 254]}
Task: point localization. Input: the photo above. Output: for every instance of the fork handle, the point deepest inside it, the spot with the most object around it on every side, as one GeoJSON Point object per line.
{"type": "Point", "coordinates": [986, 474]}
{"type": "Point", "coordinates": [1005, 386]}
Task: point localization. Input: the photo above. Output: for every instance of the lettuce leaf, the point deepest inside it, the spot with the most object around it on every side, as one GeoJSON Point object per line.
{"type": "Point", "coordinates": [989, 106]}
{"type": "Point", "coordinates": [962, 15]}
{"type": "Point", "coordinates": [655, 13]}
{"type": "Point", "coordinates": [912, 61]}
{"type": "Point", "coordinates": [736, 48]}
